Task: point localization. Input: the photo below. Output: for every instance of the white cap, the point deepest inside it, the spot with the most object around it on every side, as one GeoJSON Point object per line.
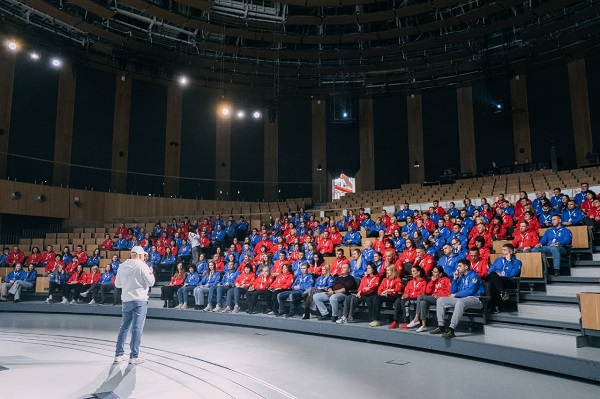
{"type": "Point", "coordinates": [138, 250]}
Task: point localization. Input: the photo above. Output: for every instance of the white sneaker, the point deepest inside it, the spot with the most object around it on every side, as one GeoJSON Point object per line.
{"type": "Point", "coordinates": [341, 320]}
{"type": "Point", "coordinates": [375, 323]}
{"type": "Point", "coordinates": [236, 308]}
{"type": "Point", "coordinates": [208, 308]}
{"type": "Point", "coordinates": [136, 360]}
{"type": "Point", "coordinates": [184, 306]}
{"type": "Point", "coordinates": [92, 302]}
{"type": "Point", "coordinates": [421, 329]}
{"type": "Point", "coordinates": [73, 302]}
{"type": "Point", "coordinates": [48, 300]}
{"type": "Point", "coordinates": [218, 308]}
{"type": "Point", "coordinates": [350, 319]}
{"type": "Point", "coordinates": [178, 306]}
{"type": "Point", "coordinates": [64, 301]}
{"type": "Point", "coordinates": [84, 294]}
{"type": "Point", "coordinates": [271, 313]}
{"type": "Point", "coordinates": [226, 310]}
{"type": "Point", "coordinates": [119, 359]}
{"type": "Point", "coordinates": [413, 324]}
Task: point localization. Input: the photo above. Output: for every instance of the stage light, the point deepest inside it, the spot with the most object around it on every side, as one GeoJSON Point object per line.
{"type": "Point", "coordinates": [344, 114]}
{"type": "Point", "coordinates": [34, 56]}
{"type": "Point", "coordinates": [183, 80]}
{"type": "Point", "coordinates": [12, 45]}
{"type": "Point", "coordinates": [225, 111]}
{"type": "Point", "coordinates": [56, 62]}
{"type": "Point", "coordinates": [256, 114]}
{"type": "Point", "coordinates": [241, 114]}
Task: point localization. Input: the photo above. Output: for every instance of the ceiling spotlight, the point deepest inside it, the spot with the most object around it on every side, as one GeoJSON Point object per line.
{"type": "Point", "coordinates": [34, 56]}
{"type": "Point", "coordinates": [183, 80]}
{"type": "Point", "coordinates": [56, 62]}
{"type": "Point", "coordinates": [256, 114]}
{"type": "Point", "coordinates": [225, 111]}
{"type": "Point", "coordinates": [241, 114]}
{"type": "Point", "coordinates": [12, 45]}
{"type": "Point", "coordinates": [344, 114]}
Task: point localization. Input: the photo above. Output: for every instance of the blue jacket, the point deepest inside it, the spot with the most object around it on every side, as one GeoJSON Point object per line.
{"type": "Point", "coordinates": [115, 266]}
{"type": "Point", "coordinates": [30, 276]}
{"type": "Point", "coordinates": [216, 222]}
{"type": "Point", "coordinates": [168, 260]}
{"type": "Point", "coordinates": [106, 278]}
{"type": "Point", "coordinates": [424, 232]}
{"type": "Point", "coordinates": [254, 239]}
{"type": "Point", "coordinates": [449, 264]}
{"type": "Point", "coordinates": [438, 243]}
{"type": "Point", "coordinates": [67, 259]}
{"type": "Point", "coordinates": [353, 237]}
{"type": "Point", "coordinates": [210, 280]}
{"type": "Point", "coordinates": [536, 204]}
{"type": "Point", "coordinates": [94, 260]}
{"type": "Point", "coordinates": [229, 277]}
{"type": "Point", "coordinates": [434, 217]}
{"type": "Point", "coordinates": [201, 267]}
{"type": "Point", "coordinates": [562, 236]}
{"type": "Point", "coordinates": [574, 216]}
{"type": "Point", "coordinates": [358, 269]}
{"type": "Point", "coordinates": [445, 233]}
{"type": "Point", "coordinates": [217, 235]}
{"type": "Point", "coordinates": [399, 244]}
{"type": "Point", "coordinates": [3, 258]}
{"type": "Point", "coordinates": [304, 281]}
{"type": "Point", "coordinates": [154, 258]}
{"type": "Point", "coordinates": [546, 217]}
{"type": "Point", "coordinates": [192, 279]}
{"type": "Point", "coordinates": [452, 212]}
{"type": "Point", "coordinates": [324, 282]}
{"type": "Point", "coordinates": [120, 244]}
{"type": "Point", "coordinates": [235, 255]}
{"type": "Point", "coordinates": [242, 227]}
{"type": "Point", "coordinates": [556, 201]}
{"type": "Point", "coordinates": [230, 230]}
{"type": "Point", "coordinates": [367, 224]}
{"type": "Point", "coordinates": [402, 214]}
{"type": "Point", "coordinates": [367, 254]}
{"type": "Point", "coordinates": [157, 231]}
{"type": "Point", "coordinates": [580, 197]}
{"type": "Point", "coordinates": [409, 228]}
{"type": "Point", "coordinates": [467, 285]}
{"type": "Point", "coordinates": [470, 210]}
{"type": "Point", "coordinates": [506, 268]}
{"type": "Point", "coordinates": [296, 266]}
{"type": "Point", "coordinates": [185, 250]}
{"type": "Point", "coordinates": [459, 237]}
{"type": "Point", "coordinates": [62, 277]}
{"type": "Point", "coordinates": [341, 225]}
{"type": "Point", "coordinates": [468, 223]}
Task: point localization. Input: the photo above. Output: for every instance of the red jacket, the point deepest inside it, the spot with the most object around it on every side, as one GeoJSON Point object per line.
{"type": "Point", "coordinates": [427, 262]}
{"type": "Point", "coordinates": [177, 279]}
{"type": "Point", "coordinates": [82, 256]}
{"type": "Point", "coordinates": [379, 245]}
{"type": "Point", "coordinates": [278, 266]}
{"type": "Point", "coordinates": [262, 283]}
{"type": "Point", "coordinates": [244, 279]}
{"type": "Point", "coordinates": [439, 287]}
{"type": "Point", "coordinates": [408, 255]}
{"type": "Point", "coordinates": [368, 285]}
{"type": "Point", "coordinates": [35, 258]}
{"type": "Point", "coordinates": [92, 278]}
{"type": "Point", "coordinates": [389, 230]}
{"type": "Point", "coordinates": [336, 238]}
{"type": "Point", "coordinates": [51, 265]}
{"type": "Point", "coordinates": [325, 247]}
{"type": "Point", "coordinates": [480, 267]}
{"type": "Point", "coordinates": [243, 265]}
{"type": "Point", "coordinates": [107, 244]}
{"type": "Point", "coordinates": [266, 243]}
{"type": "Point", "coordinates": [48, 256]}
{"type": "Point", "coordinates": [391, 284]}
{"type": "Point", "coordinates": [13, 257]}
{"type": "Point", "coordinates": [336, 266]}
{"type": "Point", "coordinates": [78, 278]}
{"type": "Point", "coordinates": [499, 232]}
{"type": "Point", "coordinates": [283, 282]}
{"type": "Point", "coordinates": [415, 287]}
{"type": "Point", "coordinates": [316, 270]}
{"type": "Point", "coordinates": [524, 240]}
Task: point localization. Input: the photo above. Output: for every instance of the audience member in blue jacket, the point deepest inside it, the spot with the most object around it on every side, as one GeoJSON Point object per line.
{"type": "Point", "coordinates": [464, 294]}
{"type": "Point", "coordinates": [202, 264]}
{"type": "Point", "coordinates": [449, 261]}
{"type": "Point", "coordinates": [241, 228]}
{"type": "Point", "coordinates": [581, 196]}
{"type": "Point", "coordinates": [105, 279]}
{"type": "Point", "coordinates": [368, 252]}
{"type": "Point", "coordinates": [184, 252]}
{"type": "Point", "coordinates": [227, 283]}
{"type": "Point", "coordinates": [403, 213]}
{"type": "Point", "coordinates": [58, 281]}
{"type": "Point", "coordinates": [217, 237]}
{"type": "Point", "coordinates": [352, 237]}
{"type": "Point", "coordinates": [3, 257]}
{"type": "Point", "coordinates": [409, 227]}
{"type": "Point", "coordinates": [469, 208]}
{"type": "Point", "coordinates": [66, 256]}
{"type": "Point", "coordinates": [452, 211]}
{"type": "Point", "coordinates": [297, 265]}
{"type": "Point", "coordinates": [94, 260]}
{"type": "Point", "coordinates": [536, 204]}
{"type": "Point", "coordinates": [210, 278]}
{"type": "Point", "coordinates": [572, 216]}
{"type": "Point", "coordinates": [157, 231]}
{"type": "Point", "coordinates": [556, 199]}
{"type": "Point", "coordinates": [120, 244]}
{"type": "Point", "coordinates": [189, 284]}
{"type": "Point", "coordinates": [115, 263]}
{"type": "Point", "coordinates": [545, 216]}
{"type": "Point", "coordinates": [358, 265]}
{"type": "Point", "coordinates": [501, 276]}
{"type": "Point", "coordinates": [154, 258]}
{"type": "Point", "coordinates": [168, 260]}
{"type": "Point", "coordinates": [555, 242]}
{"type": "Point", "coordinates": [16, 280]}
{"type": "Point", "coordinates": [302, 283]}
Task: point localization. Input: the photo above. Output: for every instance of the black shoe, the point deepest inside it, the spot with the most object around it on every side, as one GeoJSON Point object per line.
{"type": "Point", "coordinates": [437, 330]}
{"type": "Point", "coordinates": [165, 304]}
{"type": "Point", "coordinates": [289, 315]}
{"type": "Point", "coordinates": [325, 317]}
{"type": "Point", "coordinates": [16, 301]}
{"type": "Point", "coordinates": [267, 311]}
{"type": "Point", "coordinates": [278, 314]}
{"type": "Point", "coordinates": [334, 319]}
{"type": "Point", "coordinates": [449, 333]}
{"type": "Point", "coordinates": [306, 316]}
{"type": "Point", "coordinates": [115, 303]}
{"type": "Point", "coordinates": [556, 272]}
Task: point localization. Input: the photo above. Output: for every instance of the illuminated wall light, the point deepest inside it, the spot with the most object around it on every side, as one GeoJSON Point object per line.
{"type": "Point", "coordinates": [241, 114]}
{"type": "Point", "coordinates": [12, 45]}
{"type": "Point", "coordinates": [34, 56]}
{"type": "Point", "coordinates": [56, 62]}
{"type": "Point", "coordinates": [225, 111]}
{"type": "Point", "coordinates": [183, 80]}
{"type": "Point", "coordinates": [256, 114]}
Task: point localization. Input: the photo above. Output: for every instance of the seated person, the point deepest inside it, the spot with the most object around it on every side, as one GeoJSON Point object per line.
{"type": "Point", "coordinates": [501, 276]}
{"type": "Point", "coordinates": [302, 282]}
{"type": "Point", "coordinates": [342, 285]}
{"type": "Point", "coordinates": [226, 284]}
{"type": "Point", "coordinates": [260, 286]}
{"type": "Point", "coordinates": [91, 279]}
{"type": "Point", "coordinates": [322, 284]}
{"type": "Point", "coordinates": [189, 285]}
{"type": "Point", "coordinates": [464, 294]}
{"type": "Point", "coordinates": [414, 288]}
{"type": "Point", "coordinates": [14, 257]}
{"type": "Point", "coordinates": [439, 286]}
{"type": "Point", "coordinates": [94, 260]}
{"type": "Point", "coordinates": [209, 280]}
{"type": "Point", "coordinates": [555, 242]}
{"type": "Point", "coordinates": [75, 284]}
{"type": "Point", "coordinates": [525, 240]}
{"type": "Point", "coordinates": [478, 264]}
{"type": "Point", "coordinates": [280, 284]}
{"type": "Point", "coordinates": [16, 274]}
{"type": "Point", "coordinates": [58, 280]}
{"type": "Point", "coordinates": [352, 237]}
{"type": "Point", "coordinates": [338, 262]}
{"type": "Point", "coordinates": [35, 258]}
{"type": "Point", "coordinates": [27, 282]}
{"type": "Point", "coordinates": [168, 291]}
{"type": "Point", "coordinates": [241, 284]}
{"type": "Point", "coordinates": [81, 255]}
{"type": "Point", "coordinates": [572, 216]}
{"type": "Point", "coordinates": [105, 278]}
{"type": "Point", "coordinates": [121, 244]}
{"type": "Point", "coordinates": [367, 290]}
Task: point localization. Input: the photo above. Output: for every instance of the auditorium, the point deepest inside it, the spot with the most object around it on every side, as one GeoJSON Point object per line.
{"type": "Point", "coordinates": [299, 198]}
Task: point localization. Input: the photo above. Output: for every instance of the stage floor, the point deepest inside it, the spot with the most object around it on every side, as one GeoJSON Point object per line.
{"type": "Point", "coordinates": [70, 356]}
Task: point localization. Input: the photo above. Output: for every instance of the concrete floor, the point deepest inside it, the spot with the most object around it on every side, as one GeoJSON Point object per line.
{"type": "Point", "coordinates": [70, 356]}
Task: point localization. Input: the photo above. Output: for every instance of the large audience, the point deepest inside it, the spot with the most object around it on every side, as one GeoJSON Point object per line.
{"type": "Point", "coordinates": [410, 260]}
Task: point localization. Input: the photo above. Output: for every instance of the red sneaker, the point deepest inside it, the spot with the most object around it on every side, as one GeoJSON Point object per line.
{"type": "Point", "coordinates": [404, 326]}
{"type": "Point", "coordinates": [393, 325]}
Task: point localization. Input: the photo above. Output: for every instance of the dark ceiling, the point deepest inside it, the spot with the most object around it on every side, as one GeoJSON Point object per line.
{"type": "Point", "coordinates": [314, 47]}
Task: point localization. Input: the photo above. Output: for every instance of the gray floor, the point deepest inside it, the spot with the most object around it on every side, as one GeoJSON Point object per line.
{"type": "Point", "coordinates": [70, 356]}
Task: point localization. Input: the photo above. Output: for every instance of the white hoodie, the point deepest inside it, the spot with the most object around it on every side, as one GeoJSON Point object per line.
{"type": "Point", "coordinates": [134, 277]}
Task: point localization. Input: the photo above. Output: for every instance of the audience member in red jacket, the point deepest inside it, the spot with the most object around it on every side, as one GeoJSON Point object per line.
{"type": "Point", "coordinates": [439, 286]}
{"type": "Point", "coordinates": [325, 245]}
{"type": "Point", "coordinates": [498, 229]}
{"type": "Point", "coordinates": [389, 289]}
{"type": "Point", "coordinates": [81, 255]}
{"type": "Point", "coordinates": [53, 264]}
{"type": "Point", "coordinates": [108, 243]}
{"type": "Point", "coordinates": [260, 286]}
{"type": "Point", "coordinates": [48, 255]}
{"type": "Point", "coordinates": [281, 283]}
{"type": "Point", "coordinates": [484, 252]}
{"type": "Point", "coordinates": [525, 239]}
{"type": "Point", "coordinates": [534, 225]}
{"type": "Point", "coordinates": [478, 264]}
{"type": "Point", "coordinates": [408, 256]}
{"type": "Point", "coordinates": [15, 256]}
{"type": "Point", "coordinates": [424, 260]}
{"type": "Point", "coordinates": [340, 259]}
{"type": "Point", "coordinates": [75, 283]}
{"type": "Point", "coordinates": [35, 258]}
{"type": "Point", "coordinates": [414, 288]}
{"type": "Point", "coordinates": [121, 230]}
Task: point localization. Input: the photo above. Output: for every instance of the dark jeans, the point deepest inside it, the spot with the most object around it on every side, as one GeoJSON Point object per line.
{"type": "Point", "coordinates": [167, 292]}
{"type": "Point", "coordinates": [497, 285]}
{"type": "Point", "coordinates": [60, 287]}
{"type": "Point", "coordinates": [402, 309]}
{"type": "Point", "coordinates": [252, 297]}
{"type": "Point", "coordinates": [378, 300]}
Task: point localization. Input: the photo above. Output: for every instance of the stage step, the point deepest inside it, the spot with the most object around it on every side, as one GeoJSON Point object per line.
{"type": "Point", "coordinates": [543, 297]}
{"type": "Point", "coordinates": [560, 316]}
{"type": "Point", "coordinates": [574, 280]}
{"type": "Point", "coordinates": [592, 271]}
{"type": "Point", "coordinates": [585, 263]}
{"type": "Point", "coordinates": [532, 338]}
{"type": "Point", "coordinates": [562, 289]}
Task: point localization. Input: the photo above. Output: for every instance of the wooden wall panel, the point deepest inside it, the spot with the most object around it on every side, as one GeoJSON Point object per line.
{"type": "Point", "coordinates": [173, 152]}
{"type": "Point", "coordinates": [56, 204]}
{"type": "Point", "coordinates": [223, 158]}
{"type": "Point", "coordinates": [91, 208]}
{"type": "Point", "coordinates": [7, 75]}
{"type": "Point", "coordinates": [65, 110]}
{"type": "Point", "coordinates": [271, 159]}
{"type": "Point", "coordinates": [580, 109]}
{"type": "Point", "coordinates": [466, 130]}
{"type": "Point", "coordinates": [520, 112]}
{"type": "Point", "coordinates": [415, 138]}
{"type": "Point", "coordinates": [319, 150]}
{"type": "Point", "coordinates": [121, 134]}
{"type": "Point", "coordinates": [365, 177]}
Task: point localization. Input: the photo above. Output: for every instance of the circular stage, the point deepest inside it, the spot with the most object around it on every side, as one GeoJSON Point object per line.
{"type": "Point", "coordinates": [70, 356]}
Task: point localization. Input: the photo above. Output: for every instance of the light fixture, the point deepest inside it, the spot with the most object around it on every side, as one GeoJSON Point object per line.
{"type": "Point", "coordinates": [241, 114]}
{"type": "Point", "coordinates": [15, 195]}
{"type": "Point", "coordinates": [34, 56]}
{"type": "Point", "coordinates": [344, 114]}
{"type": "Point", "coordinates": [417, 164]}
{"type": "Point", "coordinates": [77, 202]}
{"type": "Point", "coordinates": [225, 111]}
{"type": "Point", "coordinates": [183, 80]}
{"type": "Point", "coordinates": [56, 62]}
{"type": "Point", "coordinates": [40, 198]}
{"type": "Point", "coordinates": [256, 114]}
{"type": "Point", "coordinates": [319, 167]}
{"type": "Point", "coordinates": [12, 45]}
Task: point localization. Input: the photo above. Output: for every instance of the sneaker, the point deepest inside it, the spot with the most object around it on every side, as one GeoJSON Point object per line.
{"type": "Point", "coordinates": [375, 323]}
{"type": "Point", "coordinates": [80, 301]}
{"type": "Point", "coordinates": [226, 310]}
{"type": "Point", "coordinates": [184, 306]}
{"type": "Point", "coordinates": [325, 317]}
{"type": "Point", "coordinates": [208, 308]}
{"type": "Point", "coordinates": [342, 320]}
{"type": "Point", "coordinates": [350, 319]}
{"type": "Point", "coordinates": [404, 326]}
{"type": "Point", "coordinates": [64, 301]}
{"type": "Point", "coordinates": [136, 360]}
{"type": "Point", "coordinates": [48, 300]}
{"type": "Point", "coordinates": [92, 302]}
{"type": "Point", "coordinates": [84, 294]}
{"type": "Point", "coordinates": [73, 302]}
{"type": "Point", "coordinates": [236, 308]}
{"type": "Point", "coordinates": [449, 333]}
{"type": "Point", "coordinates": [271, 313]}
{"type": "Point", "coordinates": [119, 359]}
{"type": "Point", "coordinates": [504, 295]}
{"type": "Point", "coordinates": [178, 306]}
{"type": "Point", "coordinates": [413, 324]}
{"type": "Point", "coordinates": [393, 325]}
{"type": "Point", "coordinates": [557, 272]}
{"type": "Point", "coordinates": [217, 309]}
{"type": "Point", "coordinates": [421, 329]}
{"type": "Point", "coordinates": [437, 330]}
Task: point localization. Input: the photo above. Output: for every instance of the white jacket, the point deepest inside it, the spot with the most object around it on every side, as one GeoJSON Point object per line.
{"type": "Point", "coordinates": [134, 277]}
